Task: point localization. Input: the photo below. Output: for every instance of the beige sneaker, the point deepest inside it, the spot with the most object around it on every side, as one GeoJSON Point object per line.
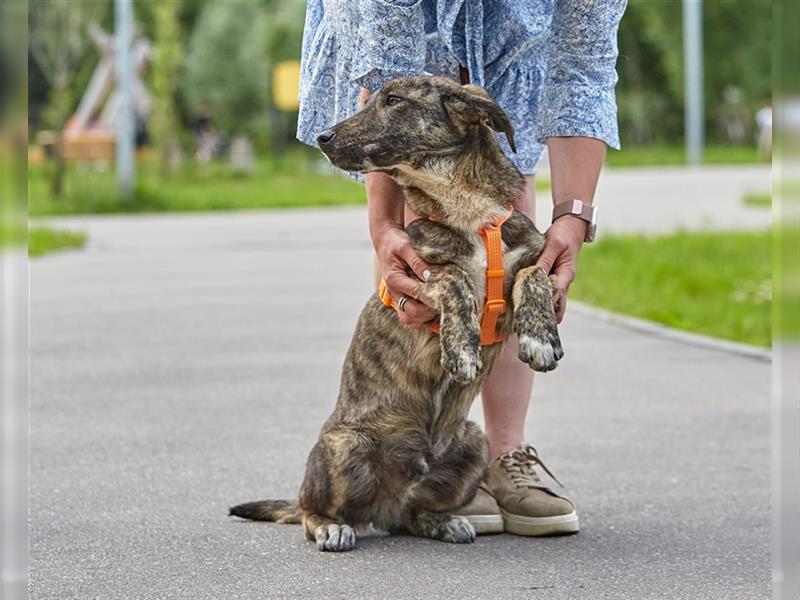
{"type": "Point", "coordinates": [483, 513]}
{"type": "Point", "coordinates": [528, 506]}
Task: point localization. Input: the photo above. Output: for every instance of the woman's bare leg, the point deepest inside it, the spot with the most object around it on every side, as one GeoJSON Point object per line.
{"type": "Point", "coordinates": [507, 390]}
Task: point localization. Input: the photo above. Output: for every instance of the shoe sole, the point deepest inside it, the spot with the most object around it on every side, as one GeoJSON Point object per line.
{"type": "Point", "coordinates": [484, 524]}
{"type": "Point", "coordinates": [540, 526]}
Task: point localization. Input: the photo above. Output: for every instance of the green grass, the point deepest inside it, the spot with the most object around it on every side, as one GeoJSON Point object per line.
{"type": "Point", "coordinates": [42, 240]}
{"type": "Point", "coordinates": [297, 180]}
{"type": "Point", "coordinates": [718, 284]}
{"type": "Point", "coordinates": [758, 200]}
{"type": "Point", "coordinates": [657, 155]}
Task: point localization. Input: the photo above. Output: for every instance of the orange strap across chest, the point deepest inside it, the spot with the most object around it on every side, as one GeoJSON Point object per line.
{"type": "Point", "coordinates": [495, 274]}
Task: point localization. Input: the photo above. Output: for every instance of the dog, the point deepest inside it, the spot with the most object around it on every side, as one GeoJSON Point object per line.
{"type": "Point", "coordinates": [398, 452]}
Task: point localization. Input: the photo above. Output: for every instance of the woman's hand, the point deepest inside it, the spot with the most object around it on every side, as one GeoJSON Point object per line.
{"type": "Point", "coordinates": [575, 164]}
{"type": "Point", "coordinates": [395, 254]}
{"type": "Point", "coordinates": [385, 207]}
{"type": "Point", "coordinates": [560, 256]}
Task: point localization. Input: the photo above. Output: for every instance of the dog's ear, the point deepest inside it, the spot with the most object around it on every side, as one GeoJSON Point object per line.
{"type": "Point", "coordinates": [471, 106]}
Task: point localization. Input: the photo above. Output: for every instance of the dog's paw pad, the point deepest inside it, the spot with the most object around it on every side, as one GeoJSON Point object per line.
{"type": "Point", "coordinates": [458, 530]}
{"type": "Point", "coordinates": [541, 355]}
{"type": "Point", "coordinates": [335, 538]}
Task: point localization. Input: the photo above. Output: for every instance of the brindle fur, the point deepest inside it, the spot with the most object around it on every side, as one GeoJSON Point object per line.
{"type": "Point", "coordinates": [398, 451]}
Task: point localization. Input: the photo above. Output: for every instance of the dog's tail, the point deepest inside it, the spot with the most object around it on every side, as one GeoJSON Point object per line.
{"type": "Point", "coordinates": [279, 511]}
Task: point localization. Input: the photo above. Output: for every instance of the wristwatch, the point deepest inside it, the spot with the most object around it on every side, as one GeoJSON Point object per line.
{"type": "Point", "coordinates": [576, 208]}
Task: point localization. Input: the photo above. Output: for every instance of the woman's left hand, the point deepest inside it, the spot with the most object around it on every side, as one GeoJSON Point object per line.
{"type": "Point", "coordinates": [560, 256]}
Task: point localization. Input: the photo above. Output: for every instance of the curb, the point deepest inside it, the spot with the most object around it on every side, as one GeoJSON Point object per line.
{"type": "Point", "coordinates": [675, 335]}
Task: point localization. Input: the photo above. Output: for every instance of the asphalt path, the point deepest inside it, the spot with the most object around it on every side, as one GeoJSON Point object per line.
{"type": "Point", "coordinates": [184, 363]}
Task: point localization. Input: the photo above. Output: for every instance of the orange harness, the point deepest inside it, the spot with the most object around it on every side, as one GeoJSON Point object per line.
{"type": "Point", "coordinates": [495, 273]}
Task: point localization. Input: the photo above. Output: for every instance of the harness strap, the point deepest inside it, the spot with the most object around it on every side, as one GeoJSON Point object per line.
{"type": "Point", "coordinates": [495, 274]}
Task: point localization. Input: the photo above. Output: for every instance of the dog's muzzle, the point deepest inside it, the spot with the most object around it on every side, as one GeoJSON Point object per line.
{"type": "Point", "coordinates": [325, 138]}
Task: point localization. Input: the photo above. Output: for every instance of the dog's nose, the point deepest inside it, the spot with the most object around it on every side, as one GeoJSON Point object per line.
{"type": "Point", "coordinates": [326, 136]}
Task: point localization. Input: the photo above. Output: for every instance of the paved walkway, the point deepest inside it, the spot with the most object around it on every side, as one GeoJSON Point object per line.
{"type": "Point", "coordinates": [665, 199]}
{"type": "Point", "coordinates": [182, 363]}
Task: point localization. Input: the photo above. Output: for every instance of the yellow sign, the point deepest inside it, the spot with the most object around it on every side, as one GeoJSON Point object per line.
{"type": "Point", "coordinates": [286, 84]}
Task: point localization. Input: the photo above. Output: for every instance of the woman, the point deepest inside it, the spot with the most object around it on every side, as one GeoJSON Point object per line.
{"type": "Point", "coordinates": [551, 65]}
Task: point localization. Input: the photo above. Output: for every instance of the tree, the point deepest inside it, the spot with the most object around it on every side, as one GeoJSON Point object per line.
{"type": "Point", "coordinates": [167, 59]}
{"type": "Point", "coordinates": [226, 66]}
{"type": "Point", "coordinates": [284, 35]}
{"type": "Point", "coordinates": [736, 55]}
{"type": "Point", "coordinates": [57, 39]}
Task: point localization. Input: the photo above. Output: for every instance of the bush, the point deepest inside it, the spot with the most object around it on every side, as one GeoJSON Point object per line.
{"type": "Point", "coordinates": [227, 68]}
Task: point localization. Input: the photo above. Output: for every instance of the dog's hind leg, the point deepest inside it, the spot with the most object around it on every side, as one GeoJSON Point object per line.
{"type": "Point", "coordinates": [534, 320]}
{"type": "Point", "coordinates": [439, 526]}
{"type": "Point", "coordinates": [453, 477]}
{"type": "Point", "coordinates": [451, 482]}
{"type": "Point", "coordinates": [329, 535]}
{"type": "Point", "coordinates": [337, 475]}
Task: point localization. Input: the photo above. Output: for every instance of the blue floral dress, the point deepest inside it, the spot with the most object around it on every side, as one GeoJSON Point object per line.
{"type": "Point", "coordinates": [550, 64]}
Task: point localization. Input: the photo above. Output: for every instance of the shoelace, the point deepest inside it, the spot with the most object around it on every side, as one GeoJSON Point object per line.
{"type": "Point", "coordinates": [520, 466]}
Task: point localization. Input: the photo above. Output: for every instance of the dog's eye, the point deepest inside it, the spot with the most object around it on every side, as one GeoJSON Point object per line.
{"type": "Point", "coordinates": [392, 100]}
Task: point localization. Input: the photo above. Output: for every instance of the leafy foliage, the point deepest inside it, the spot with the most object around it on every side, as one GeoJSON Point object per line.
{"type": "Point", "coordinates": [737, 47]}
{"type": "Point", "coordinates": [166, 61]}
{"type": "Point", "coordinates": [226, 65]}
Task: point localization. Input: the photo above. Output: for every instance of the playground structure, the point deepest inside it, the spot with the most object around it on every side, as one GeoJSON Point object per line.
{"type": "Point", "coordinates": [90, 133]}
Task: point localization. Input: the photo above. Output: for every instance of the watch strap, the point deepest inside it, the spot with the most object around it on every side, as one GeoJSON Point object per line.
{"type": "Point", "coordinates": [576, 208]}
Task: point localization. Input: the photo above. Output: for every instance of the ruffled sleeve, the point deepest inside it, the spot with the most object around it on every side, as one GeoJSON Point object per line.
{"type": "Point", "coordinates": [578, 94]}
{"type": "Point", "coordinates": [390, 44]}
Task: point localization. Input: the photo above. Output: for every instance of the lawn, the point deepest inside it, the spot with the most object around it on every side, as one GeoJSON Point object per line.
{"type": "Point", "coordinates": [718, 284]}
{"type": "Point", "coordinates": [42, 240]}
{"type": "Point", "coordinates": [298, 179]}
{"type": "Point", "coordinates": [658, 155]}
{"type": "Point", "coordinates": [758, 200]}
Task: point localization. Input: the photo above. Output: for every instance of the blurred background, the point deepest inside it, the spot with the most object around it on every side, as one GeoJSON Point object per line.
{"type": "Point", "coordinates": [184, 350]}
{"type": "Point", "coordinates": [213, 89]}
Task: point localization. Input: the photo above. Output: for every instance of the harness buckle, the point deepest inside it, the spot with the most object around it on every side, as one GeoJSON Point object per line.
{"type": "Point", "coordinates": [495, 306]}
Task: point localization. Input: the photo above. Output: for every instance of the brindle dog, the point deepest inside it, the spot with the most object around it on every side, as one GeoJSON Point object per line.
{"type": "Point", "coordinates": [398, 451]}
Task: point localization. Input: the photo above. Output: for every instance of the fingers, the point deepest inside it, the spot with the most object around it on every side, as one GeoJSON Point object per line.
{"type": "Point", "coordinates": [562, 276]}
{"type": "Point", "coordinates": [419, 266]}
{"type": "Point", "coordinates": [546, 261]}
{"type": "Point", "coordinates": [397, 256]}
{"type": "Point", "coordinates": [400, 284]}
{"type": "Point", "coordinates": [548, 257]}
{"type": "Point", "coordinates": [558, 259]}
{"type": "Point", "coordinates": [415, 314]}
{"type": "Point", "coordinates": [560, 305]}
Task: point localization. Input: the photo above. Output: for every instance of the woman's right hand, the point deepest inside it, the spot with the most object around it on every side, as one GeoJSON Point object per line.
{"type": "Point", "coordinates": [395, 255]}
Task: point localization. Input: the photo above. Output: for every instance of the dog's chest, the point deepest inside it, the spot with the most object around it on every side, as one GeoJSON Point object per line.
{"type": "Point", "coordinates": [476, 267]}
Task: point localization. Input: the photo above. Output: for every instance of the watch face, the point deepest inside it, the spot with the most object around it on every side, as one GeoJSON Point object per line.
{"type": "Point", "coordinates": [590, 233]}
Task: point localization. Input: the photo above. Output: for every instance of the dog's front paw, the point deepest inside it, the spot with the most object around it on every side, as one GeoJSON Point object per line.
{"type": "Point", "coordinates": [537, 353]}
{"type": "Point", "coordinates": [458, 530]}
{"type": "Point", "coordinates": [462, 363]}
{"type": "Point", "coordinates": [542, 353]}
{"type": "Point", "coordinates": [335, 538]}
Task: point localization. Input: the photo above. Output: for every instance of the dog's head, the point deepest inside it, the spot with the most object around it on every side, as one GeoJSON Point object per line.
{"type": "Point", "coordinates": [413, 122]}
